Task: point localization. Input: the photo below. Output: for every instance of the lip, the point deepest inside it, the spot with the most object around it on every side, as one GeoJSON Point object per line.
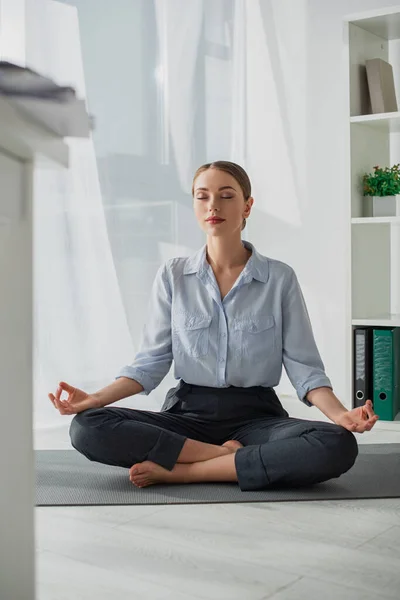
{"type": "Point", "coordinates": [215, 220]}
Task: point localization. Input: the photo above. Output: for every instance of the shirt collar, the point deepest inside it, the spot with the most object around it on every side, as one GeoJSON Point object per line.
{"type": "Point", "coordinates": [257, 267]}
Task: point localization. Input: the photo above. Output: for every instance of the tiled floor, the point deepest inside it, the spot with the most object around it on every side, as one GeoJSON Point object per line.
{"type": "Point", "coordinates": [295, 550]}
{"type": "Point", "coordinates": [285, 551]}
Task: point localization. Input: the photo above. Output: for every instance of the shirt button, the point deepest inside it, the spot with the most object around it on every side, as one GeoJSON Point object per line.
{"type": "Point", "coordinates": [223, 335]}
{"type": "Point", "coordinates": [222, 360]}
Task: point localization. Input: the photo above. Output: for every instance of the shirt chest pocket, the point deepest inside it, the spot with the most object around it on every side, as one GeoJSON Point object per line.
{"type": "Point", "coordinates": [254, 337]}
{"type": "Point", "coordinates": [191, 333]}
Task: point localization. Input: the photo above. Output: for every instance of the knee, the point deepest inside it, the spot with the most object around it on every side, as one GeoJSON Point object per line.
{"type": "Point", "coordinates": [345, 450]}
{"type": "Point", "coordinates": [79, 426]}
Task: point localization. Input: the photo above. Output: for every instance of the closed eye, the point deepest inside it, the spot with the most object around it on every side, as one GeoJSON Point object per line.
{"type": "Point", "coordinates": [201, 197]}
{"type": "Point", "coordinates": [206, 197]}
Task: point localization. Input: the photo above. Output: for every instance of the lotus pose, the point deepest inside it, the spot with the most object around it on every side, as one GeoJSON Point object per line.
{"type": "Point", "coordinates": [229, 318]}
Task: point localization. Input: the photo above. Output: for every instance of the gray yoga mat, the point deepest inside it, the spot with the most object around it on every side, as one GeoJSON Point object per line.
{"type": "Point", "coordinates": [66, 478]}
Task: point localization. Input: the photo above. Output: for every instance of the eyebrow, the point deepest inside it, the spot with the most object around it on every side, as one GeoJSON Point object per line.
{"type": "Point", "coordinates": [224, 187]}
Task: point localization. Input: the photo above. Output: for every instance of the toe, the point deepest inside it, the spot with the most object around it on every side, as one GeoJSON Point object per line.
{"type": "Point", "coordinates": [141, 468]}
{"type": "Point", "coordinates": [138, 469]}
{"type": "Point", "coordinates": [140, 482]}
{"type": "Point", "coordinates": [136, 480]}
{"type": "Point", "coordinates": [139, 479]}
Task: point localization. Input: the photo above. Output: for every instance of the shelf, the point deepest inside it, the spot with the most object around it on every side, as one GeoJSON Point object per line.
{"type": "Point", "coordinates": [384, 23]}
{"type": "Point", "coordinates": [385, 320]}
{"type": "Point", "coordinates": [382, 121]}
{"type": "Point", "coordinates": [381, 424]}
{"type": "Point", "coordinates": [377, 220]}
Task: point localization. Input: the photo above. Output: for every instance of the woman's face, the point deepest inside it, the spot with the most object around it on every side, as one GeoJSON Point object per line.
{"type": "Point", "coordinates": [217, 193]}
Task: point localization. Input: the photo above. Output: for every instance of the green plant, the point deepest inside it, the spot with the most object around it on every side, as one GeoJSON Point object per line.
{"type": "Point", "coordinates": [383, 182]}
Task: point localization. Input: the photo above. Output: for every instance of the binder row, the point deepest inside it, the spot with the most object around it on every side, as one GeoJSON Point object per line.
{"type": "Point", "coordinates": [376, 369]}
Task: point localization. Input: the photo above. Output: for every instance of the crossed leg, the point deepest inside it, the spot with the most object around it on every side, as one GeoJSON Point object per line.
{"type": "Point", "coordinates": [220, 468]}
{"type": "Point", "coordinates": [272, 451]}
{"type": "Point", "coordinates": [153, 442]}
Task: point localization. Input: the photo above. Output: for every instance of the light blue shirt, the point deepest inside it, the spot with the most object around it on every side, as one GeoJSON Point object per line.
{"type": "Point", "coordinates": [242, 340]}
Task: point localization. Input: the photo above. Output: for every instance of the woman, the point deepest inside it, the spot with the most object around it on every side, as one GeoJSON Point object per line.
{"type": "Point", "coordinates": [230, 318]}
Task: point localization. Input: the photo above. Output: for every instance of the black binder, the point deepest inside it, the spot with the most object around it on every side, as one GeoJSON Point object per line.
{"type": "Point", "coordinates": [362, 366]}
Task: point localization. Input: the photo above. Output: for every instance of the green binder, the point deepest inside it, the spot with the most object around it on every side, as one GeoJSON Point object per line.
{"type": "Point", "coordinates": [386, 372]}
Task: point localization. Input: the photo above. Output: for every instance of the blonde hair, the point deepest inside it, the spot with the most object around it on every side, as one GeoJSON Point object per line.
{"type": "Point", "coordinates": [233, 169]}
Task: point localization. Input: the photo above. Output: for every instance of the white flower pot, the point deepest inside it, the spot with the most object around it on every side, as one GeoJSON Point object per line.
{"type": "Point", "coordinates": [386, 206]}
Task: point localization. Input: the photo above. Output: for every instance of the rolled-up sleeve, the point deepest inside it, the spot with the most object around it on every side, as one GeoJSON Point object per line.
{"type": "Point", "coordinates": [153, 360]}
{"type": "Point", "coordinates": [301, 358]}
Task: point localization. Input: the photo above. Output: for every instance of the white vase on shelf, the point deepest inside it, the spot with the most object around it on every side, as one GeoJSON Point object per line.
{"type": "Point", "coordinates": [386, 206]}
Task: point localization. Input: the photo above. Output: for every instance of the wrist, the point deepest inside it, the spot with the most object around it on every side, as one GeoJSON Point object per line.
{"type": "Point", "coordinates": [324, 399]}
{"type": "Point", "coordinates": [337, 417]}
{"type": "Point", "coordinates": [97, 400]}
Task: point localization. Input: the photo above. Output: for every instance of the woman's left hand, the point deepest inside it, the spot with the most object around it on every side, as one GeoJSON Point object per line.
{"type": "Point", "coordinates": [359, 419]}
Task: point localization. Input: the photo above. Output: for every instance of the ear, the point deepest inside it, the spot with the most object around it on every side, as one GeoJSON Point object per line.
{"type": "Point", "coordinates": [249, 204]}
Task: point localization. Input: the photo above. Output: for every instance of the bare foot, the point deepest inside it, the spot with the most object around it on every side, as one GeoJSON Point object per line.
{"type": "Point", "coordinates": [233, 445]}
{"type": "Point", "coordinates": [148, 472]}
{"type": "Point", "coordinates": [221, 468]}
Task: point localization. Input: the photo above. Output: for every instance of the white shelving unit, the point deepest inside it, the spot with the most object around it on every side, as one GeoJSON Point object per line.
{"type": "Point", "coordinates": [384, 122]}
{"type": "Point", "coordinates": [373, 139]}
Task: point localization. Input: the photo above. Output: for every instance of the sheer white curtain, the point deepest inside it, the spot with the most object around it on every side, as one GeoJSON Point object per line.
{"type": "Point", "coordinates": [166, 81]}
{"type": "Point", "coordinates": [213, 33]}
{"type": "Point", "coordinates": [179, 28]}
{"type": "Point", "coordinates": [80, 326]}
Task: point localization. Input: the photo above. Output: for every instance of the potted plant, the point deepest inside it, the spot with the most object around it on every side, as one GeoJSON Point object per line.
{"type": "Point", "coordinates": [384, 187]}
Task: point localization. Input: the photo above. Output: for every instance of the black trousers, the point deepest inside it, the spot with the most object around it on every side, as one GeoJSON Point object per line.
{"type": "Point", "coordinates": [278, 450]}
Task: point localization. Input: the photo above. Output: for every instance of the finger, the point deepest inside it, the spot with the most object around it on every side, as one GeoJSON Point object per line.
{"type": "Point", "coordinates": [369, 409]}
{"type": "Point", "coordinates": [62, 406]}
{"type": "Point", "coordinates": [64, 402]}
{"type": "Point", "coordinates": [58, 405]}
{"type": "Point", "coordinates": [367, 426]}
{"type": "Point", "coordinates": [372, 422]}
{"type": "Point", "coordinates": [364, 427]}
{"type": "Point", "coordinates": [65, 386]}
{"type": "Point", "coordinates": [360, 428]}
{"type": "Point", "coordinates": [58, 393]}
{"type": "Point", "coordinates": [56, 401]}
{"type": "Point", "coordinates": [351, 426]}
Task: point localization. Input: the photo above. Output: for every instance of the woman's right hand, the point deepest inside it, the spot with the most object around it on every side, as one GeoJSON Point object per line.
{"type": "Point", "coordinates": [77, 400]}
